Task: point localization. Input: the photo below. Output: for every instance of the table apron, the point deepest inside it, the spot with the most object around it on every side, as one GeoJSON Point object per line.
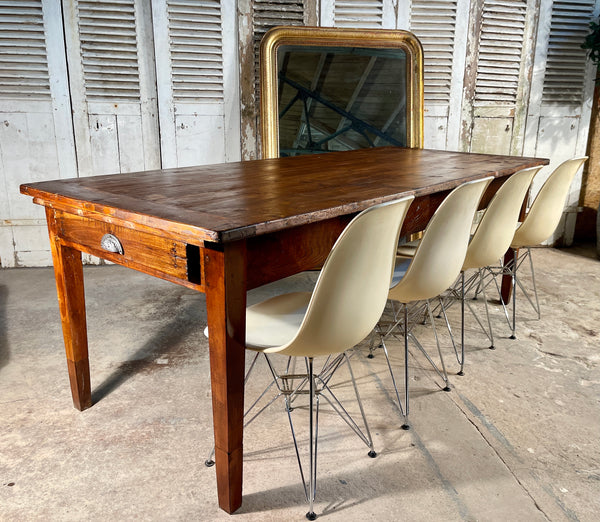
{"type": "Point", "coordinates": [159, 256]}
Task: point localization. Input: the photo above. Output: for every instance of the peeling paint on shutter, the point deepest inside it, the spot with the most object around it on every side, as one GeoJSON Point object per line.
{"type": "Point", "coordinates": [358, 13]}
{"type": "Point", "coordinates": [434, 22]}
{"type": "Point", "coordinates": [196, 43]}
{"type": "Point", "coordinates": [109, 50]}
{"type": "Point", "coordinates": [566, 61]}
{"type": "Point", "coordinates": [500, 46]}
{"type": "Point", "coordinates": [268, 14]}
{"type": "Point", "coordinates": [23, 61]}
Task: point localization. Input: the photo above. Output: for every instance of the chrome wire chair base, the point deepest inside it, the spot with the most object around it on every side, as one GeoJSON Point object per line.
{"type": "Point", "coordinates": [512, 269]}
{"type": "Point", "coordinates": [516, 264]}
{"type": "Point", "coordinates": [403, 326]}
{"type": "Point", "coordinates": [291, 385]}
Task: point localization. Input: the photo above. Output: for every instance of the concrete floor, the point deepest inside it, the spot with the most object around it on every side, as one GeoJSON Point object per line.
{"type": "Point", "coordinates": [517, 438]}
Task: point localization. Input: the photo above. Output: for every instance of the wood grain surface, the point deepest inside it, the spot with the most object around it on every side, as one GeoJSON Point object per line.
{"type": "Point", "coordinates": [233, 201]}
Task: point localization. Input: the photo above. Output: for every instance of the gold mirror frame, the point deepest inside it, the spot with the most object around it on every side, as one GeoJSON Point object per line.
{"type": "Point", "coordinates": [337, 37]}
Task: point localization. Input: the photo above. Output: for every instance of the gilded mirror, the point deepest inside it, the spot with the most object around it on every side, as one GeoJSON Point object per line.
{"type": "Point", "coordinates": [325, 89]}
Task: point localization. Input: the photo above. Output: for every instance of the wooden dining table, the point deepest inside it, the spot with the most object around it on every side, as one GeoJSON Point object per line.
{"type": "Point", "coordinates": [225, 229]}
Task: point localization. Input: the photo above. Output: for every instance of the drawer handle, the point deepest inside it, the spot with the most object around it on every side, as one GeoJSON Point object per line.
{"type": "Point", "coordinates": [110, 243]}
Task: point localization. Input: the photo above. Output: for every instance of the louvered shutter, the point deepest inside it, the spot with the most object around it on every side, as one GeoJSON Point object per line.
{"type": "Point", "coordinates": [500, 52]}
{"type": "Point", "coordinates": [195, 33]}
{"type": "Point", "coordinates": [36, 131]}
{"type": "Point", "coordinates": [441, 26]}
{"type": "Point", "coordinates": [495, 105]}
{"type": "Point", "coordinates": [197, 81]}
{"type": "Point", "coordinates": [364, 14]}
{"type": "Point", "coordinates": [358, 13]}
{"type": "Point", "coordinates": [564, 78]}
{"type": "Point", "coordinates": [268, 14]}
{"type": "Point", "coordinates": [257, 17]}
{"type": "Point", "coordinates": [23, 61]}
{"type": "Point", "coordinates": [109, 54]}
{"type": "Point", "coordinates": [113, 87]}
{"type": "Point", "coordinates": [561, 93]}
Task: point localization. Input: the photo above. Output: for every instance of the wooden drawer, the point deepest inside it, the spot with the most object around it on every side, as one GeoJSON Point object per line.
{"type": "Point", "coordinates": [160, 256]}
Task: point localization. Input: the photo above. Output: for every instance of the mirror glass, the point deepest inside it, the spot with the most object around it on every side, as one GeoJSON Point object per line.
{"type": "Point", "coordinates": [340, 98]}
{"type": "Point", "coordinates": [333, 89]}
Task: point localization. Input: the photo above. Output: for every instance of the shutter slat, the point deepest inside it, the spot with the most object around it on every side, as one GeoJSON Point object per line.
{"type": "Point", "coordinates": [268, 14]}
{"type": "Point", "coordinates": [358, 13]}
{"type": "Point", "coordinates": [196, 46]}
{"type": "Point", "coordinates": [434, 24]}
{"type": "Point", "coordinates": [500, 51]}
{"type": "Point", "coordinates": [23, 59]}
{"type": "Point", "coordinates": [109, 48]}
{"type": "Point", "coordinates": [566, 61]}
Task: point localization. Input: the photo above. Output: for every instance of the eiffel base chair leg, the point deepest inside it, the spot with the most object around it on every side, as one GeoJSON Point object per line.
{"type": "Point", "coordinates": [317, 388]}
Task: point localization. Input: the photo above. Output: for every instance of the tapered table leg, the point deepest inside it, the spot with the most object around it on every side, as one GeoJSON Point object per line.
{"type": "Point", "coordinates": [225, 280]}
{"type": "Point", "coordinates": [506, 288]}
{"type": "Point", "coordinates": [68, 272]}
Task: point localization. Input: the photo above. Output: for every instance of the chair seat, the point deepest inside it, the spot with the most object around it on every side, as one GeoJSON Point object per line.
{"type": "Point", "coordinates": [274, 322]}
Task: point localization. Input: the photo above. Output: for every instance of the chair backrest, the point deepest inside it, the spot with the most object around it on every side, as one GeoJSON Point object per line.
{"type": "Point", "coordinates": [441, 251]}
{"type": "Point", "coordinates": [351, 291]}
{"type": "Point", "coordinates": [545, 212]}
{"type": "Point", "coordinates": [497, 226]}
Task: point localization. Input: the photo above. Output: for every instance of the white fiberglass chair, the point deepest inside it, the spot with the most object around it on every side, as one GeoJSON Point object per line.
{"type": "Point", "coordinates": [539, 224]}
{"type": "Point", "coordinates": [344, 307]}
{"type": "Point", "coordinates": [488, 245]}
{"type": "Point", "coordinates": [434, 267]}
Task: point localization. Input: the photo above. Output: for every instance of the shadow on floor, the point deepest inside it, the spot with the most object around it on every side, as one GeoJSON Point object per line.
{"type": "Point", "coordinates": [4, 352]}
{"type": "Point", "coordinates": [168, 342]}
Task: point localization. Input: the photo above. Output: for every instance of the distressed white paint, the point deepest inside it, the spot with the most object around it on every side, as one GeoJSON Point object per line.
{"type": "Point", "coordinates": [198, 126]}
{"type": "Point", "coordinates": [558, 129]}
{"type": "Point", "coordinates": [442, 28]}
{"type": "Point", "coordinates": [36, 144]}
{"type": "Point", "coordinates": [97, 93]}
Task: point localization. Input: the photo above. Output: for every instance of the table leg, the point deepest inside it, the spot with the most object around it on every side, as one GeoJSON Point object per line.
{"type": "Point", "coordinates": [68, 272]}
{"type": "Point", "coordinates": [225, 282]}
{"type": "Point", "coordinates": [506, 288]}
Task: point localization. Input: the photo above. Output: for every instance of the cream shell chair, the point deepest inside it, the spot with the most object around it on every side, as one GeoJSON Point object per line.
{"type": "Point", "coordinates": [539, 224]}
{"type": "Point", "coordinates": [435, 266]}
{"type": "Point", "coordinates": [489, 243]}
{"type": "Point", "coordinates": [345, 305]}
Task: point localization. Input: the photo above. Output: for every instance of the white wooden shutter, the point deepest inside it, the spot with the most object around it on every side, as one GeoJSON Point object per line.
{"type": "Point", "coordinates": [561, 95]}
{"type": "Point", "coordinates": [196, 54]}
{"type": "Point", "coordinates": [257, 17]}
{"type": "Point", "coordinates": [195, 34]}
{"type": "Point", "coordinates": [358, 13]}
{"type": "Point", "coordinates": [109, 54]}
{"type": "Point", "coordinates": [367, 14]}
{"type": "Point", "coordinates": [23, 61]}
{"type": "Point", "coordinates": [36, 132]}
{"type": "Point", "coordinates": [500, 47]}
{"type": "Point", "coordinates": [565, 74]}
{"type": "Point", "coordinates": [268, 14]}
{"type": "Point", "coordinates": [113, 87]}
{"type": "Point", "coordinates": [441, 26]}
{"type": "Point", "coordinates": [501, 56]}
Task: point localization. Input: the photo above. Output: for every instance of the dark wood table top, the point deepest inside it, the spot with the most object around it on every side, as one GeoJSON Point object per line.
{"type": "Point", "coordinates": [231, 201]}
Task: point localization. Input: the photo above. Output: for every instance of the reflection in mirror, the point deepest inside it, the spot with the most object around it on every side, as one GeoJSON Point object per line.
{"type": "Point", "coordinates": [330, 89]}
{"type": "Point", "coordinates": [340, 98]}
